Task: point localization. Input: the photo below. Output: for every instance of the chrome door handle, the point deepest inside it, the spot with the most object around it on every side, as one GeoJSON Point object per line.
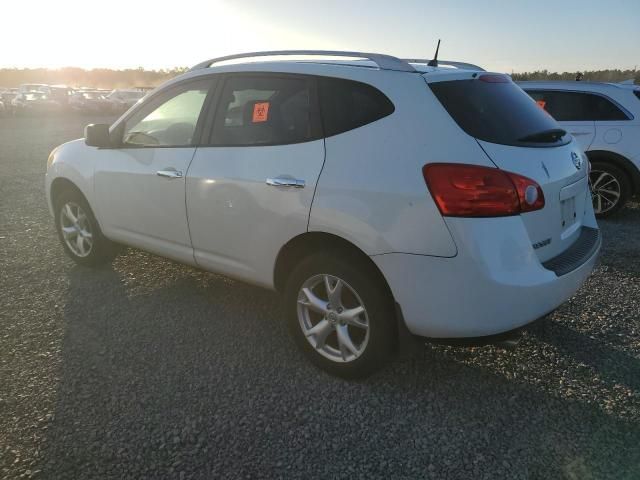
{"type": "Point", "coordinates": [285, 182]}
{"type": "Point", "coordinates": [169, 173]}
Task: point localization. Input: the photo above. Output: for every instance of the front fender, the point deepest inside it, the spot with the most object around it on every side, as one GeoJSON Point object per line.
{"type": "Point", "coordinates": [73, 162]}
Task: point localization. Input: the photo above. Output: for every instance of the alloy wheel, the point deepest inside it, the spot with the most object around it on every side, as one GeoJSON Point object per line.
{"type": "Point", "coordinates": [605, 191]}
{"type": "Point", "coordinates": [333, 318]}
{"type": "Point", "coordinates": [76, 229]}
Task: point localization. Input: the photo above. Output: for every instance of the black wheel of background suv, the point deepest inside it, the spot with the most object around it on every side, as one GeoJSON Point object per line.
{"type": "Point", "coordinates": [79, 231]}
{"type": "Point", "coordinates": [610, 188]}
{"type": "Point", "coordinates": [340, 314]}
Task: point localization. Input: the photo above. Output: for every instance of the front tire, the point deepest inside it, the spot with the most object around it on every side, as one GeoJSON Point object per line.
{"type": "Point", "coordinates": [340, 314]}
{"type": "Point", "coordinates": [610, 188]}
{"type": "Point", "coordinates": [79, 231]}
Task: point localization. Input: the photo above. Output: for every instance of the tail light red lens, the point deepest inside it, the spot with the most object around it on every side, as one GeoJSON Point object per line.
{"type": "Point", "coordinates": [475, 191]}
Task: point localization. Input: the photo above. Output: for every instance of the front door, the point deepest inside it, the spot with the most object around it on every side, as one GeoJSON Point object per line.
{"type": "Point", "coordinates": [140, 185]}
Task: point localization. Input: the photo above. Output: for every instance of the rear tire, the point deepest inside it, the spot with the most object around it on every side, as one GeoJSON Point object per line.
{"type": "Point", "coordinates": [340, 314]}
{"type": "Point", "coordinates": [79, 232]}
{"type": "Point", "coordinates": [610, 188]}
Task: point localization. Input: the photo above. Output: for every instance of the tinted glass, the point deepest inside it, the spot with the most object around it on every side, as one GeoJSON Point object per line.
{"type": "Point", "coordinates": [637, 93]}
{"type": "Point", "coordinates": [346, 105]}
{"type": "Point", "coordinates": [267, 110]}
{"type": "Point", "coordinates": [497, 112]}
{"type": "Point", "coordinates": [577, 106]}
{"type": "Point", "coordinates": [167, 121]}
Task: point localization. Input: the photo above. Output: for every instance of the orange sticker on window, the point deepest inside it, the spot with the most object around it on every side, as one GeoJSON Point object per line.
{"type": "Point", "coordinates": [260, 112]}
{"type": "Point", "coordinates": [541, 104]}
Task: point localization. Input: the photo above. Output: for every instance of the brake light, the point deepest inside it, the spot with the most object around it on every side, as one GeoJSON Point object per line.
{"type": "Point", "coordinates": [475, 191]}
{"type": "Point", "coordinates": [494, 78]}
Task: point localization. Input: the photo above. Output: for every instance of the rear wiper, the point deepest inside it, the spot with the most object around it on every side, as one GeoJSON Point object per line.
{"type": "Point", "coordinates": [551, 135]}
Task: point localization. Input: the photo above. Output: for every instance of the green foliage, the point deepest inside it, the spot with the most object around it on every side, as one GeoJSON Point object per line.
{"type": "Point", "coordinates": [594, 76]}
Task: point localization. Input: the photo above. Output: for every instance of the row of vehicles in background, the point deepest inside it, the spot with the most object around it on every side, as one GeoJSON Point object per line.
{"type": "Point", "coordinates": [43, 99]}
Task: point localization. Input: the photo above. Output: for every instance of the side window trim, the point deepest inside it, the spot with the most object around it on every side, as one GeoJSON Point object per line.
{"type": "Point", "coordinates": [214, 111]}
{"type": "Point", "coordinates": [158, 99]}
{"type": "Point", "coordinates": [626, 112]}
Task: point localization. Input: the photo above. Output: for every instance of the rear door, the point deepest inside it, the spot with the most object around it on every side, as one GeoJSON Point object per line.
{"type": "Point", "coordinates": [249, 191]}
{"type": "Point", "coordinates": [574, 111]}
{"type": "Point", "coordinates": [520, 137]}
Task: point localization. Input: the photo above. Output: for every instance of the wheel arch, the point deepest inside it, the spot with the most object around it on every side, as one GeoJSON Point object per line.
{"type": "Point", "coordinates": [62, 184]}
{"type": "Point", "coordinates": [621, 162]}
{"type": "Point", "coordinates": [313, 242]}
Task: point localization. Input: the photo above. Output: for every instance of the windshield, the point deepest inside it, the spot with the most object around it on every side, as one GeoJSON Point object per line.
{"type": "Point", "coordinates": [494, 109]}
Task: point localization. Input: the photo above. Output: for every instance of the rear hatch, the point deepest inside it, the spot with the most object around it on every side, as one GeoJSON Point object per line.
{"type": "Point", "coordinates": [520, 137]}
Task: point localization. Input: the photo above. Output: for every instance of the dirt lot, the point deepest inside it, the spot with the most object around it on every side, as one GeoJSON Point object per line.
{"type": "Point", "coordinates": [150, 369]}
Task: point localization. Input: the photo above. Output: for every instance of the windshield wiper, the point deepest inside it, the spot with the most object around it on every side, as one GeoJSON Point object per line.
{"type": "Point", "coordinates": [551, 135]}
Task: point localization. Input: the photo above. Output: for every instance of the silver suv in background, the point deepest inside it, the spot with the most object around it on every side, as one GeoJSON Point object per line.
{"type": "Point", "coordinates": [123, 100]}
{"type": "Point", "coordinates": [605, 120]}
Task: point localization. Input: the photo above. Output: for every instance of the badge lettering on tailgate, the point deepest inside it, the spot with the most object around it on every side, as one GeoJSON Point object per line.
{"type": "Point", "coordinates": [541, 244]}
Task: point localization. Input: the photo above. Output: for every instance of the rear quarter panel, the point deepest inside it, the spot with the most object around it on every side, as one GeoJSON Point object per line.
{"type": "Point", "coordinates": [371, 190]}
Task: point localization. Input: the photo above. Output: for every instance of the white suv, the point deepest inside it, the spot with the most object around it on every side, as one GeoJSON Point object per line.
{"type": "Point", "coordinates": [605, 120]}
{"type": "Point", "coordinates": [378, 196]}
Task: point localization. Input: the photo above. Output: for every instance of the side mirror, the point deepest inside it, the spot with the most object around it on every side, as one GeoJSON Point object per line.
{"type": "Point", "coordinates": [97, 135]}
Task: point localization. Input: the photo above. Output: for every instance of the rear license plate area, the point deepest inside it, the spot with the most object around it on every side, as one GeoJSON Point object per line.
{"type": "Point", "coordinates": [568, 211]}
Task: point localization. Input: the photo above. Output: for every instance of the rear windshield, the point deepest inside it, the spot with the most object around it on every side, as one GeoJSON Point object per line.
{"type": "Point", "coordinates": [496, 110]}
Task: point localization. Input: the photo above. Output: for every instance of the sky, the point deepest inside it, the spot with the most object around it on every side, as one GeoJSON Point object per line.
{"type": "Point", "coordinates": [506, 36]}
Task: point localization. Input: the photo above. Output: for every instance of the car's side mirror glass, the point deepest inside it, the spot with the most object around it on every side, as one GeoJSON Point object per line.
{"type": "Point", "coordinates": [97, 135]}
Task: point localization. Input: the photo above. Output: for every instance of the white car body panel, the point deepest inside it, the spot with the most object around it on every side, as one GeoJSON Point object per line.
{"type": "Point", "coordinates": [238, 222]}
{"type": "Point", "coordinates": [389, 209]}
{"type": "Point", "coordinates": [139, 208]}
{"type": "Point", "coordinates": [493, 285]}
{"type": "Point", "coordinates": [554, 170]}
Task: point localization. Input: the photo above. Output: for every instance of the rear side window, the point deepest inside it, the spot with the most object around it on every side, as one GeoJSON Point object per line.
{"type": "Point", "coordinates": [496, 110]}
{"type": "Point", "coordinates": [637, 93]}
{"type": "Point", "coordinates": [346, 105]}
{"type": "Point", "coordinates": [577, 106]}
{"type": "Point", "coordinates": [266, 110]}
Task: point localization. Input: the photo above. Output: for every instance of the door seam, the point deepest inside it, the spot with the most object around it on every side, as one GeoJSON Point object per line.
{"type": "Point", "coordinates": [315, 188]}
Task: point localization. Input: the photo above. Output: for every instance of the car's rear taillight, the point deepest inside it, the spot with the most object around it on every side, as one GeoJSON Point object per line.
{"type": "Point", "coordinates": [462, 190]}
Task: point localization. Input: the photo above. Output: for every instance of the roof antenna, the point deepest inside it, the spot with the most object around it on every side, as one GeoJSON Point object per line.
{"type": "Point", "coordinates": [434, 61]}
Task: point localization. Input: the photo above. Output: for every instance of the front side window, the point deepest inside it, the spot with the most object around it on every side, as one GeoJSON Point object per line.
{"type": "Point", "coordinates": [266, 110]}
{"type": "Point", "coordinates": [577, 106]}
{"type": "Point", "coordinates": [169, 120]}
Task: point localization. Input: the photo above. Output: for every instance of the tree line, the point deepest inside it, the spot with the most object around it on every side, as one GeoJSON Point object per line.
{"type": "Point", "coordinates": [139, 77]}
{"type": "Point", "coordinates": [594, 76]}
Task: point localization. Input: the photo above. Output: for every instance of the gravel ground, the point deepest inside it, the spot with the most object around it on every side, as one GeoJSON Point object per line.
{"type": "Point", "coordinates": [151, 369]}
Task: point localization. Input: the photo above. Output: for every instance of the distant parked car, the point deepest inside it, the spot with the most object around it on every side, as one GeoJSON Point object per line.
{"type": "Point", "coordinates": [604, 118]}
{"type": "Point", "coordinates": [59, 94]}
{"type": "Point", "coordinates": [6, 97]}
{"type": "Point", "coordinates": [33, 102]}
{"type": "Point", "coordinates": [89, 101]}
{"type": "Point", "coordinates": [31, 87]}
{"type": "Point", "coordinates": [122, 100]}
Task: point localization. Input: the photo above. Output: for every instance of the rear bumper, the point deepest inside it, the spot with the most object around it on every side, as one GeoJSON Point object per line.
{"type": "Point", "coordinates": [495, 284]}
